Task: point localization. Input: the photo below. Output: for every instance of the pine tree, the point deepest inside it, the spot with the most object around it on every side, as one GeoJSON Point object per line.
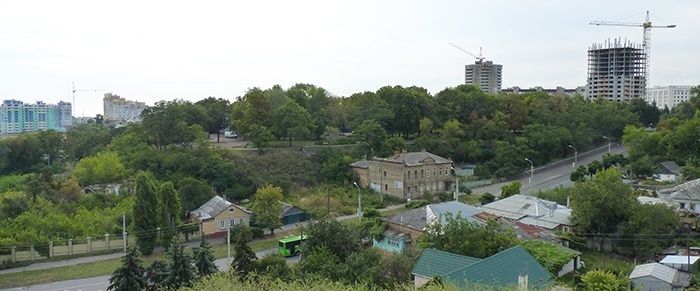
{"type": "Point", "coordinates": [180, 271]}
{"type": "Point", "coordinates": [145, 217]}
{"type": "Point", "coordinates": [204, 259]}
{"type": "Point", "coordinates": [244, 257]}
{"type": "Point", "coordinates": [169, 208]}
{"type": "Point", "coordinates": [130, 275]}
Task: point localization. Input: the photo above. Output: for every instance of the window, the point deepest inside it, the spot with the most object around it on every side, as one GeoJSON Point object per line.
{"type": "Point", "coordinates": [422, 174]}
{"type": "Point", "coordinates": [384, 174]}
{"type": "Point", "coordinates": [682, 205]}
{"type": "Point", "coordinates": [240, 221]}
{"type": "Point", "coordinates": [222, 224]}
{"type": "Point", "coordinates": [415, 174]}
{"type": "Point", "coordinates": [230, 209]}
{"type": "Point", "coordinates": [408, 174]}
{"type": "Point", "coordinates": [415, 188]}
{"type": "Point", "coordinates": [440, 172]}
{"type": "Point", "coordinates": [393, 243]}
{"type": "Point", "coordinates": [434, 173]}
{"type": "Point", "coordinates": [232, 222]}
{"type": "Point", "coordinates": [386, 187]}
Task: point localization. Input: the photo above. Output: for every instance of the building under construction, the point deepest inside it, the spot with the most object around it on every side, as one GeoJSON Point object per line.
{"type": "Point", "coordinates": [616, 71]}
{"type": "Point", "coordinates": [485, 74]}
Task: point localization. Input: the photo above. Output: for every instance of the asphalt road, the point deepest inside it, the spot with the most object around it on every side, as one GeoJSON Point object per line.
{"type": "Point", "coordinates": [100, 283]}
{"type": "Point", "coordinates": [550, 178]}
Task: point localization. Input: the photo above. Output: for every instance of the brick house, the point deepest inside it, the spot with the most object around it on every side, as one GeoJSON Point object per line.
{"type": "Point", "coordinates": [405, 175]}
{"type": "Point", "coordinates": [217, 215]}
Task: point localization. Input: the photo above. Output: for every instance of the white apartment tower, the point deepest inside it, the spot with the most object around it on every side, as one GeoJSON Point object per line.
{"type": "Point", "coordinates": [485, 74]}
{"type": "Point", "coordinates": [117, 109]}
{"type": "Point", "coordinates": [668, 96]}
{"type": "Point", "coordinates": [616, 71]}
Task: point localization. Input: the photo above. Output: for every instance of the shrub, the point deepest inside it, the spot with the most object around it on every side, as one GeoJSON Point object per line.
{"type": "Point", "coordinates": [418, 203]}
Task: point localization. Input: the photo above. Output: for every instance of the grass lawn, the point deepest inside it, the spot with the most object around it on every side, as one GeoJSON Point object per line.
{"type": "Point", "coordinates": [614, 263]}
{"type": "Point", "coordinates": [105, 267]}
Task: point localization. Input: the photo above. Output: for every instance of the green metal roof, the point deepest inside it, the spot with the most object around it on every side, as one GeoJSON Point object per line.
{"type": "Point", "coordinates": [287, 239]}
{"type": "Point", "coordinates": [502, 269]}
{"type": "Point", "coordinates": [438, 263]}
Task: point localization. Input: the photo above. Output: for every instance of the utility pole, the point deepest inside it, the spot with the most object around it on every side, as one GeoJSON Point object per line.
{"type": "Point", "coordinates": [228, 242]}
{"type": "Point", "coordinates": [532, 171]}
{"type": "Point", "coordinates": [359, 201]}
{"type": "Point", "coordinates": [605, 137]}
{"type": "Point", "coordinates": [124, 230]}
{"type": "Point", "coordinates": [575, 156]}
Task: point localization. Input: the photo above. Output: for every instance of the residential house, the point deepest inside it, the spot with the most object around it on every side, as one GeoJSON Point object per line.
{"type": "Point", "coordinates": [655, 276]}
{"type": "Point", "coordinates": [653, 200]}
{"type": "Point", "coordinates": [511, 267]}
{"type": "Point", "coordinates": [531, 214]}
{"type": "Point", "coordinates": [685, 197]}
{"type": "Point", "coordinates": [668, 171]}
{"type": "Point", "coordinates": [681, 263]}
{"type": "Point", "coordinates": [113, 188]}
{"type": "Point", "coordinates": [406, 227]}
{"type": "Point", "coordinates": [405, 175]}
{"type": "Point", "coordinates": [291, 214]}
{"type": "Point", "coordinates": [217, 215]}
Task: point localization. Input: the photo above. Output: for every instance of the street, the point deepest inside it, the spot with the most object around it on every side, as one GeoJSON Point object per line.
{"type": "Point", "coordinates": [550, 178]}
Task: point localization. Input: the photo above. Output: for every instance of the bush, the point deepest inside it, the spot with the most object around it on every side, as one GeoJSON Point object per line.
{"type": "Point", "coordinates": [418, 203]}
{"type": "Point", "coordinates": [487, 198]}
{"type": "Point", "coordinates": [257, 232]}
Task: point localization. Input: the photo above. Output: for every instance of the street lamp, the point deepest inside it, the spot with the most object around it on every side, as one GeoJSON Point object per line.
{"type": "Point", "coordinates": [532, 171]}
{"type": "Point", "coordinates": [575, 156]}
{"type": "Point", "coordinates": [605, 137]}
{"type": "Point", "coordinates": [359, 201]}
{"type": "Point", "coordinates": [456, 192]}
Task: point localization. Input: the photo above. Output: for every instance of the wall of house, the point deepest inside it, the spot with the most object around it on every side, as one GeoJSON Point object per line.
{"type": "Point", "coordinates": [231, 214]}
{"type": "Point", "coordinates": [362, 176]}
{"type": "Point", "coordinates": [569, 267]}
{"type": "Point", "coordinates": [649, 283]}
{"type": "Point", "coordinates": [387, 244]}
{"type": "Point", "coordinates": [386, 177]}
{"type": "Point", "coordinates": [408, 182]}
{"type": "Point", "coordinates": [666, 177]}
{"type": "Point", "coordinates": [419, 281]}
{"type": "Point", "coordinates": [414, 234]}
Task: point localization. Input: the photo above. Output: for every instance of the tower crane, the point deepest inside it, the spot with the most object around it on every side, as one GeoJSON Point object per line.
{"type": "Point", "coordinates": [646, 37]}
{"type": "Point", "coordinates": [480, 58]}
{"type": "Point", "coordinates": [83, 90]}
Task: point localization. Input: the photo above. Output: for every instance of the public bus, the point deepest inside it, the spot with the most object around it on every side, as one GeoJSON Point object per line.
{"type": "Point", "coordinates": [289, 246]}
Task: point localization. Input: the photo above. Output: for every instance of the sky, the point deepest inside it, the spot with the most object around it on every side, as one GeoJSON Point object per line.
{"type": "Point", "coordinates": [162, 50]}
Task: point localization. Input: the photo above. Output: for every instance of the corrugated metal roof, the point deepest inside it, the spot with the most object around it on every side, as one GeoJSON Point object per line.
{"type": "Point", "coordinates": [672, 167]}
{"type": "Point", "coordinates": [518, 206]}
{"type": "Point", "coordinates": [438, 263]}
{"type": "Point", "coordinates": [502, 269]}
{"type": "Point", "coordinates": [679, 260]}
{"type": "Point", "coordinates": [213, 207]}
{"type": "Point", "coordinates": [656, 270]}
{"type": "Point", "coordinates": [420, 217]}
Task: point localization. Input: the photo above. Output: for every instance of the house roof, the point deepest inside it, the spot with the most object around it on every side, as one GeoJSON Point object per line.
{"type": "Point", "coordinates": [364, 164]}
{"type": "Point", "coordinates": [502, 269]}
{"type": "Point", "coordinates": [289, 209]}
{"type": "Point", "coordinates": [671, 167]}
{"type": "Point", "coordinates": [679, 260]}
{"type": "Point", "coordinates": [530, 210]}
{"type": "Point", "coordinates": [438, 263]}
{"type": "Point", "coordinates": [213, 207]}
{"type": "Point", "coordinates": [415, 158]}
{"type": "Point", "coordinates": [656, 270]}
{"type": "Point", "coordinates": [652, 200]}
{"type": "Point", "coordinates": [420, 217]}
{"type": "Point", "coordinates": [691, 188]}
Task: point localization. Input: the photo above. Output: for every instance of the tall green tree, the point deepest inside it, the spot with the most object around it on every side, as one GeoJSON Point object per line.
{"type": "Point", "coordinates": [601, 204]}
{"type": "Point", "coordinates": [194, 192]}
{"type": "Point", "coordinates": [653, 226]}
{"type": "Point", "coordinates": [204, 259]}
{"type": "Point", "coordinates": [145, 212]}
{"type": "Point", "coordinates": [169, 209]}
{"type": "Point", "coordinates": [267, 207]}
{"type": "Point", "coordinates": [217, 111]}
{"type": "Point", "coordinates": [374, 136]}
{"type": "Point", "coordinates": [105, 167]}
{"type": "Point", "coordinates": [129, 276]}
{"type": "Point", "coordinates": [180, 272]}
{"type": "Point", "coordinates": [243, 256]}
{"type": "Point", "coordinates": [260, 136]}
{"type": "Point", "coordinates": [292, 121]}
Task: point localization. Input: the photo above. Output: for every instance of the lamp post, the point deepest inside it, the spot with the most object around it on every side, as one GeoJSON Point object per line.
{"type": "Point", "coordinates": [605, 137]}
{"type": "Point", "coordinates": [359, 201]}
{"type": "Point", "coordinates": [532, 171]}
{"type": "Point", "coordinates": [575, 156]}
{"type": "Point", "coordinates": [456, 192]}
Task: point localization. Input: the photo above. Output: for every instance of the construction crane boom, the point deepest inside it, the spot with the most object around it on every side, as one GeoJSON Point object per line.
{"type": "Point", "coordinates": [646, 36]}
{"type": "Point", "coordinates": [479, 58]}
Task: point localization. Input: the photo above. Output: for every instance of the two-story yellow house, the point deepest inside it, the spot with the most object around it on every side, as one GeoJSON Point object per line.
{"type": "Point", "coordinates": [217, 215]}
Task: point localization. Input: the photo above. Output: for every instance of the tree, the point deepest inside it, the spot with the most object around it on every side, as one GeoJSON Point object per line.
{"type": "Point", "coordinates": [603, 280]}
{"type": "Point", "coordinates": [204, 259]}
{"type": "Point", "coordinates": [487, 198]}
{"type": "Point", "coordinates": [169, 209]}
{"type": "Point", "coordinates": [461, 236]}
{"type": "Point", "coordinates": [292, 121]}
{"type": "Point", "coordinates": [145, 212]}
{"type": "Point", "coordinates": [594, 167]}
{"type": "Point", "coordinates": [336, 169]}
{"type": "Point", "coordinates": [105, 167]}
{"type": "Point", "coordinates": [180, 272]}
{"type": "Point", "coordinates": [130, 275]}
{"type": "Point", "coordinates": [260, 136]}
{"type": "Point", "coordinates": [338, 238]}
{"type": "Point", "coordinates": [156, 274]}
{"type": "Point", "coordinates": [602, 203]}
{"type": "Point", "coordinates": [243, 255]}
{"type": "Point", "coordinates": [267, 207]}
{"type": "Point", "coordinates": [367, 106]}
{"type": "Point", "coordinates": [656, 221]}
{"type": "Point", "coordinates": [374, 136]}
{"type": "Point", "coordinates": [12, 204]}
{"type": "Point", "coordinates": [217, 111]}
{"type": "Point", "coordinates": [579, 174]}
{"type": "Point", "coordinates": [194, 192]}
{"type": "Point", "coordinates": [70, 191]}
{"type": "Point", "coordinates": [252, 109]}
{"type": "Point", "coordinates": [510, 189]}
{"type": "Point", "coordinates": [174, 122]}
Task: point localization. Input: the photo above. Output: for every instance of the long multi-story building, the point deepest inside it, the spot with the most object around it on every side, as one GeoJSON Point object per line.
{"type": "Point", "coordinates": [616, 71]}
{"type": "Point", "coordinates": [485, 74]}
{"type": "Point", "coordinates": [19, 117]}
{"type": "Point", "coordinates": [668, 96]}
{"type": "Point", "coordinates": [118, 109]}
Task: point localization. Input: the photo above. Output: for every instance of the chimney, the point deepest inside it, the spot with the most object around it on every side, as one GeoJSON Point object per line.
{"type": "Point", "coordinates": [522, 282]}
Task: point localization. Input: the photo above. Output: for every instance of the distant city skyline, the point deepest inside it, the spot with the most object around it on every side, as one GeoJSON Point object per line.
{"type": "Point", "coordinates": [162, 50]}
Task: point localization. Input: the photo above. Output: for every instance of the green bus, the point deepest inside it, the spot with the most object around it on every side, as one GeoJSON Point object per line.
{"type": "Point", "coordinates": [289, 246]}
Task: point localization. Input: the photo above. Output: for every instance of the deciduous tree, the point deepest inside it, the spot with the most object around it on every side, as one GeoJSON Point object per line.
{"type": "Point", "coordinates": [145, 212]}
{"type": "Point", "coordinates": [267, 207]}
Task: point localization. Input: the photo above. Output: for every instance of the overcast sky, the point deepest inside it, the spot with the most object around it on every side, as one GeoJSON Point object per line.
{"type": "Point", "coordinates": [155, 50]}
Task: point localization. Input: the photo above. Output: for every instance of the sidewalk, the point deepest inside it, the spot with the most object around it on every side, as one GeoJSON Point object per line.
{"type": "Point", "coordinates": [91, 259]}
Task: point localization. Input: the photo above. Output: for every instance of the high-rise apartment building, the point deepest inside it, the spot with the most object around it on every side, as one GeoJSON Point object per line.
{"type": "Point", "coordinates": [616, 71]}
{"type": "Point", "coordinates": [18, 117]}
{"type": "Point", "coordinates": [668, 96]}
{"type": "Point", "coordinates": [118, 109]}
{"type": "Point", "coordinates": [485, 74]}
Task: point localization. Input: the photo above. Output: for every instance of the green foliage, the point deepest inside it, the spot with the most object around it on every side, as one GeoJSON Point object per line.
{"type": "Point", "coordinates": [259, 135]}
{"type": "Point", "coordinates": [486, 198]}
{"type": "Point", "coordinates": [244, 257]}
{"type": "Point", "coordinates": [461, 236]}
{"type": "Point", "coordinates": [217, 113]}
{"type": "Point", "coordinates": [12, 204]}
{"type": "Point", "coordinates": [602, 280]}
{"type": "Point", "coordinates": [145, 212]}
{"type": "Point", "coordinates": [549, 255]}
{"type": "Point", "coordinates": [336, 169]}
{"type": "Point", "coordinates": [652, 228]}
{"type": "Point", "coordinates": [83, 140]}
{"type": "Point", "coordinates": [274, 266]}
{"type": "Point", "coordinates": [204, 259]}
{"type": "Point", "coordinates": [579, 174]}
{"type": "Point", "coordinates": [339, 239]}
{"type": "Point", "coordinates": [416, 203]}
{"type": "Point", "coordinates": [174, 122]}
{"type": "Point", "coordinates": [169, 207]}
{"type": "Point", "coordinates": [292, 121]}
{"type": "Point", "coordinates": [559, 195]}
{"type": "Point", "coordinates": [105, 167]}
{"type": "Point", "coordinates": [592, 203]}
{"type": "Point", "coordinates": [267, 207]}
{"type": "Point", "coordinates": [510, 189]}
{"type": "Point", "coordinates": [130, 275]}
{"type": "Point", "coordinates": [180, 272]}
{"type": "Point", "coordinates": [374, 136]}
{"type": "Point", "coordinates": [12, 183]}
